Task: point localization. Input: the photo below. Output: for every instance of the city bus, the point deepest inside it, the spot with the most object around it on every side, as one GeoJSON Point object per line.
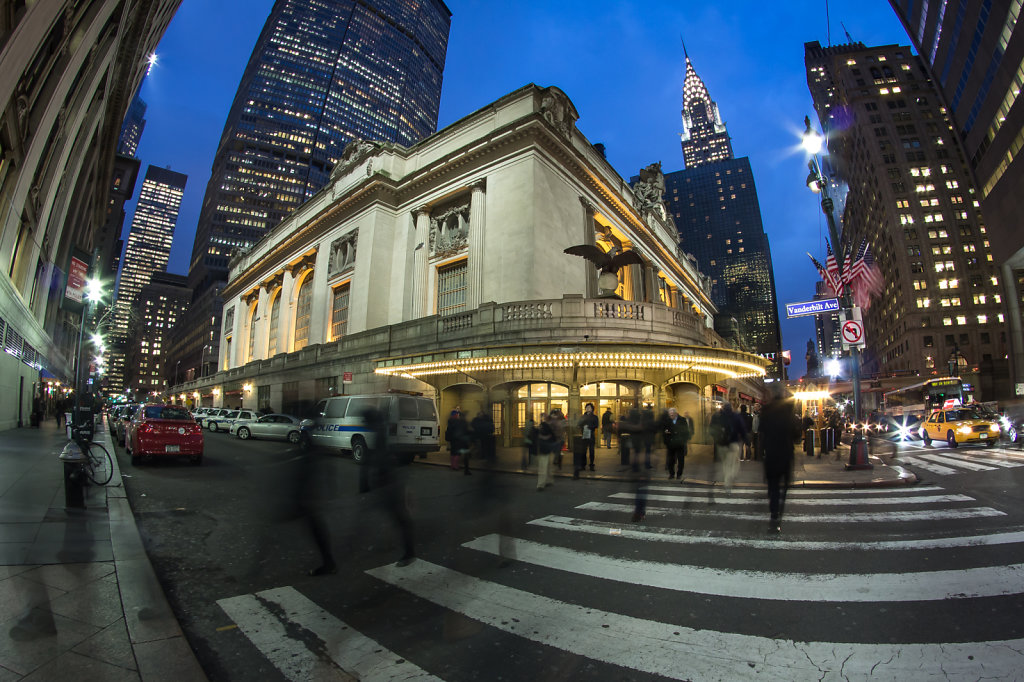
{"type": "Point", "coordinates": [920, 399]}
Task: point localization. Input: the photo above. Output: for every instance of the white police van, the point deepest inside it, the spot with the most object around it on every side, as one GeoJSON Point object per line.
{"type": "Point", "coordinates": [413, 427]}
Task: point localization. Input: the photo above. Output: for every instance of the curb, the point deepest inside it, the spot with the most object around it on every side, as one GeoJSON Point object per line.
{"type": "Point", "coordinates": [162, 653]}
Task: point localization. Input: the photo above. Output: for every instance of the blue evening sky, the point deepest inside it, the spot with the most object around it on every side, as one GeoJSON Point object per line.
{"type": "Point", "coordinates": [621, 63]}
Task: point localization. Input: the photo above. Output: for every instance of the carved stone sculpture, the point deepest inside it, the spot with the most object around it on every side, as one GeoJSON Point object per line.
{"type": "Point", "coordinates": [449, 231]}
{"type": "Point", "coordinates": [355, 152]}
{"type": "Point", "coordinates": [342, 256]}
{"type": "Point", "coordinates": [649, 191]}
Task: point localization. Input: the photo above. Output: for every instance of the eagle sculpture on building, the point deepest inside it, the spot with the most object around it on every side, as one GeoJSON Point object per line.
{"type": "Point", "coordinates": [608, 264]}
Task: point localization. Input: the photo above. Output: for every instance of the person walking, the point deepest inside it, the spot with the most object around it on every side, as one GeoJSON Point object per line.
{"type": "Point", "coordinates": [607, 426]}
{"type": "Point", "coordinates": [547, 443]}
{"type": "Point", "coordinates": [558, 421]}
{"type": "Point", "coordinates": [728, 433]}
{"type": "Point", "coordinates": [778, 433]}
{"type": "Point", "coordinates": [457, 435]}
{"type": "Point", "coordinates": [747, 449]}
{"type": "Point", "coordinates": [676, 433]}
{"type": "Point", "coordinates": [648, 427]}
{"type": "Point", "coordinates": [587, 425]}
{"type": "Point", "coordinates": [384, 474]}
{"type": "Point", "coordinates": [482, 427]}
{"type": "Point", "coordinates": [755, 429]}
{"type": "Point", "coordinates": [529, 442]}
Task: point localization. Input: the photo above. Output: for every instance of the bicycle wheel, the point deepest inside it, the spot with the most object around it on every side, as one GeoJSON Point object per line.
{"type": "Point", "coordinates": [100, 468]}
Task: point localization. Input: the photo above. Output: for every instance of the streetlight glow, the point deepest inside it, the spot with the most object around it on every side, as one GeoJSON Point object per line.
{"type": "Point", "coordinates": [812, 140]}
{"type": "Point", "coordinates": [832, 367]}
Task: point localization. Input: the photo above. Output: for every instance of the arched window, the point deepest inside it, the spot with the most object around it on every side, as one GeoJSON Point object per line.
{"type": "Point", "coordinates": [275, 321]}
{"type": "Point", "coordinates": [252, 333]}
{"type": "Point", "coordinates": [303, 305]}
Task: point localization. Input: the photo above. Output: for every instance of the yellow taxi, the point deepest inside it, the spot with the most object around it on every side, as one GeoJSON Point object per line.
{"type": "Point", "coordinates": [957, 424]}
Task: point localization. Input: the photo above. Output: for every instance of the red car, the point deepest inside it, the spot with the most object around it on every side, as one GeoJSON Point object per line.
{"type": "Point", "coordinates": [164, 431]}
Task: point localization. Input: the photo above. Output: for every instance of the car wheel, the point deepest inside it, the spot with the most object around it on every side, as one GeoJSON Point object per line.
{"type": "Point", "coordinates": [1011, 434]}
{"type": "Point", "coordinates": [358, 450]}
{"type": "Point", "coordinates": [951, 439]}
{"type": "Point", "coordinates": [925, 437]}
{"type": "Point", "coordinates": [294, 437]}
{"type": "Point", "coordinates": [243, 433]}
{"type": "Point", "coordinates": [212, 426]}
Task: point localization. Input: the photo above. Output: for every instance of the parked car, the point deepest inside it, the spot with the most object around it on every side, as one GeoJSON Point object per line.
{"type": "Point", "coordinates": [957, 425]}
{"type": "Point", "coordinates": [411, 421]}
{"type": "Point", "coordinates": [212, 413]}
{"type": "Point", "coordinates": [123, 418]}
{"type": "Point", "coordinates": [222, 422]}
{"type": "Point", "coordinates": [277, 426]}
{"type": "Point", "coordinates": [164, 431]}
{"type": "Point", "coordinates": [198, 413]}
{"type": "Point", "coordinates": [112, 417]}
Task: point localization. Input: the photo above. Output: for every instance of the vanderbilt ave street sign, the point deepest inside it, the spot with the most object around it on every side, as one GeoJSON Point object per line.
{"type": "Point", "coordinates": [828, 305]}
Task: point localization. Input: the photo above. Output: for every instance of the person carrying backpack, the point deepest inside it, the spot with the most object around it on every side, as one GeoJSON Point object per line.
{"type": "Point", "coordinates": [728, 433]}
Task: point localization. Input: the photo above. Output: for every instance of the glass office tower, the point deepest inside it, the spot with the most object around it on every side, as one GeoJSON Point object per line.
{"type": "Point", "coordinates": [322, 74]}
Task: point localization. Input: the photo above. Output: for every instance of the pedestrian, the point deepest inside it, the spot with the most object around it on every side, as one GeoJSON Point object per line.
{"type": "Point", "coordinates": [558, 427]}
{"type": "Point", "coordinates": [607, 426]}
{"type": "Point", "coordinates": [728, 434]}
{"type": "Point", "coordinates": [648, 426]}
{"type": "Point", "coordinates": [755, 429]}
{"type": "Point", "coordinates": [778, 433]}
{"type": "Point", "coordinates": [383, 469]}
{"type": "Point", "coordinates": [482, 427]}
{"type": "Point", "coordinates": [529, 442]}
{"type": "Point", "coordinates": [629, 428]}
{"type": "Point", "coordinates": [457, 435]}
{"type": "Point", "coordinates": [547, 444]}
{"type": "Point", "coordinates": [676, 434]}
{"type": "Point", "coordinates": [587, 425]}
{"type": "Point", "coordinates": [748, 424]}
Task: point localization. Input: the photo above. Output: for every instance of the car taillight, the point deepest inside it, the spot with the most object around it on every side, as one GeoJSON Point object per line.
{"type": "Point", "coordinates": [197, 429]}
{"type": "Point", "coordinates": [145, 428]}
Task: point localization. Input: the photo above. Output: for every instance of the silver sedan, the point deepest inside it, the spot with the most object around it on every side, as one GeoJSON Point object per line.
{"type": "Point", "coordinates": [278, 426]}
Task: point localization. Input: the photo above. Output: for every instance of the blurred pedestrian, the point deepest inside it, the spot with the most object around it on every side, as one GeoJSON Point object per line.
{"type": "Point", "coordinates": [648, 427]}
{"type": "Point", "coordinates": [384, 469]}
{"type": "Point", "coordinates": [747, 447]}
{"type": "Point", "coordinates": [755, 429]}
{"type": "Point", "coordinates": [457, 435]}
{"type": "Point", "coordinates": [587, 425]}
{"type": "Point", "coordinates": [529, 442]}
{"type": "Point", "coordinates": [676, 434]}
{"type": "Point", "coordinates": [778, 433]}
{"type": "Point", "coordinates": [482, 428]}
{"type": "Point", "coordinates": [558, 424]}
{"type": "Point", "coordinates": [728, 434]}
{"type": "Point", "coordinates": [546, 446]}
{"type": "Point", "coordinates": [629, 428]}
{"type": "Point", "coordinates": [607, 426]}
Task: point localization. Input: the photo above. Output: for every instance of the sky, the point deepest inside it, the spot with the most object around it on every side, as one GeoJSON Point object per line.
{"type": "Point", "coordinates": [620, 62]}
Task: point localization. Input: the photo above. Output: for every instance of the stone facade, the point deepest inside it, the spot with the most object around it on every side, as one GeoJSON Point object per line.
{"type": "Point", "coordinates": [415, 259]}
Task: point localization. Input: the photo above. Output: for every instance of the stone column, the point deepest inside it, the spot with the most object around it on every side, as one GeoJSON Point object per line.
{"type": "Point", "coordinates": [320, 316]}
{"type": "Point", "coordinates": [477, 237]}
{"type": "Point", "coordinates": [589, 237]}
{"type": "Point", "coordinates": [286, 319]}
{"type": "Point", "coordinates": [259, 349]}
{"type": "Point", "coordinates": [575, 410]}
{"type": "Point", "coordinates": [636, 292]}
{"type": "Point", "coordinates": [420, 275]}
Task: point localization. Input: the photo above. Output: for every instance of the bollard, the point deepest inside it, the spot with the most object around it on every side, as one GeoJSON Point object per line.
{"type": "Point", "coordinates": [809, 438]}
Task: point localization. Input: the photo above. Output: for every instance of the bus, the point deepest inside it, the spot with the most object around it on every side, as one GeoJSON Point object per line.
{"type": "Point", "coordinates": [917, 401]}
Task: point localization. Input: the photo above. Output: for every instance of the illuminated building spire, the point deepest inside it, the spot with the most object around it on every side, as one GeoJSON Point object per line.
{"type": "Point", "coordinates": [704, 138]}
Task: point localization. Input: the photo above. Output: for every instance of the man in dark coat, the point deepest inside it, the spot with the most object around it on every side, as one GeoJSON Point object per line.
{"type": "Point", "coordinates": [457, 435]}
{"type": "Point", "coordinates": [607, 426]}
{"type": "Point", "coordinates": [588, 435]}
{"type": "Point", "coordinates": [676, 433]}
{"type": "Point", "coordinates": [779, 431]}
{"type": "Point", "coordinates": [482, 427]}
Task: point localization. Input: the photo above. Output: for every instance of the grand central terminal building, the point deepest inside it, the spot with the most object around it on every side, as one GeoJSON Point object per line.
{"type": "Point", "coordinates": [441, 268]}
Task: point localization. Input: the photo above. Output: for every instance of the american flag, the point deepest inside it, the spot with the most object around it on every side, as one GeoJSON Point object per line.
{"type": "Point", "coordinates": [832, 277]}
{"type": "Point", "coordinates": [865, 277]}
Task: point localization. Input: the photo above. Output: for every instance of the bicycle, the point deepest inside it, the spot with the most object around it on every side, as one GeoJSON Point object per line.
{"type": "Point", "coordinates": [98, 467]}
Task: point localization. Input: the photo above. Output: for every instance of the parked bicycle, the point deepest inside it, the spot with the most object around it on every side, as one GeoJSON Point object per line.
{"type": "Point", "coordinates": [98, 467]}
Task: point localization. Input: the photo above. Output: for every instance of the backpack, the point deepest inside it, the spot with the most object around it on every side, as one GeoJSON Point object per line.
{"type": "Point", "coordinates": [721, 429]}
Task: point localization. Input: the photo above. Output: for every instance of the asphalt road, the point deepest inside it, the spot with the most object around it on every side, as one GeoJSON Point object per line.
{"type": "Point", "coordinates": [888, 583]}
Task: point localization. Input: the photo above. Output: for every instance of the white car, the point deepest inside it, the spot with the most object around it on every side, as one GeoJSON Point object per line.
{"type": "Point", "coordinates": [277, 426]}
{"type": "Point", "coordinates": [224, 420]}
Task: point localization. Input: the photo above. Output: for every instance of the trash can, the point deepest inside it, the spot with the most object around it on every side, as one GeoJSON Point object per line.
{"type": "Point", "coordinates": [74, 476]}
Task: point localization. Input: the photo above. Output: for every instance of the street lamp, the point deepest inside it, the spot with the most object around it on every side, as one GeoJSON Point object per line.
{"type": "Point", "coordinates": [176, 365]}
{"type": "Point", "coordinates": [812, 142]}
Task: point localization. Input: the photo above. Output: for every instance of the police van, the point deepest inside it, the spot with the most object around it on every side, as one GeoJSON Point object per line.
{"type": "Point", "coordinates": [338, 423]}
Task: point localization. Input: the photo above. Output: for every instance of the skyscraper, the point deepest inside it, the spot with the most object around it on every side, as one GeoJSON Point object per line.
{"type": "Point", "coordinates": [148, 249]}
{"type": "Point", "coordinates": [911, 197]}
{"type": "Point", "coordinates": [131, 129]}
{"type": "Point", "coordinates": [974, 52]}
{"type": "Point", "coordinates": [158, 306]}
{"type": "Point", "coordinates": [715, 207]}
{"type": "Point", "coordinates": [323, 73]}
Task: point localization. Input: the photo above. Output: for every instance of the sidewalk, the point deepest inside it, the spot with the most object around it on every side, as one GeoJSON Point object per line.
{"type": "Point", "coordinates": [78, 596]}
{"type": "Point", "coordinates": [824, 471]}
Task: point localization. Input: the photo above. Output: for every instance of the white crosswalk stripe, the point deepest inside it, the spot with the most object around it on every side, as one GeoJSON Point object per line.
{"type": "Point", "coordinates": [947, 462]}
{"type": "Point", "coordinates": [905, 570]}
{"type": "Point", "coordinates": [687, 653]}
{"type": "Point", "coordinates": [304, 642]}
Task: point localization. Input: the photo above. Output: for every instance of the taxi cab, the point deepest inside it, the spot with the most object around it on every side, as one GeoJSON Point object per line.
{"type": "Point", "coordinates": [957, 424]}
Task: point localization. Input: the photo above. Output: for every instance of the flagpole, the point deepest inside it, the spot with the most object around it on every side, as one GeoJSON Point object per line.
{"type": "Point", "coordinates": [858, 452]}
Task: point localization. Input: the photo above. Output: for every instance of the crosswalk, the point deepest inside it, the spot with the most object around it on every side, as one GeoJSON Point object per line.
{"type": "Point", "coordinates": [887, 554]}
{"type": "Point", "coordinates": [949, 462]}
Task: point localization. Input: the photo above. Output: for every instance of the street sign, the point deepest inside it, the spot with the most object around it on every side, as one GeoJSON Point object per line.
{"type": "Point", "coordinates": [826, 305]}
{"type": "Point", "coordinates": [853, 333]}
{"type": "Point", "coordinates": [346, 377]}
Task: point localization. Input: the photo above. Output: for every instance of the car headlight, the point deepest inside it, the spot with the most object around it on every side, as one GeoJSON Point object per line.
{"type": "Point", "coordinates": [904, 432]}
{"type": "Point", "coordinates": [1005, 422]}
{"type": "Point", "coordinates": [964, 430]}
{"type": "Point", "coordinates": [993, 427]}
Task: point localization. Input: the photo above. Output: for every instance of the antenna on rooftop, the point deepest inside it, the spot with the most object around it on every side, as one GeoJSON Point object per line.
{"type": "Point", "coordinates": [828, 26]}
{"type": "Point", "coordinates": [685, 53]}
{"type": "Point", "coordinates": [849, 38]}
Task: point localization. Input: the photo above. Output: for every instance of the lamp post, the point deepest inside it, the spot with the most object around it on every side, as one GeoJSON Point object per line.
{"type": "Point", "coordinates": [176, 365]}
{"type": "Point", "coordinates": [202, 361]}
{"type": "Point", "coordinates": [812, 142]}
